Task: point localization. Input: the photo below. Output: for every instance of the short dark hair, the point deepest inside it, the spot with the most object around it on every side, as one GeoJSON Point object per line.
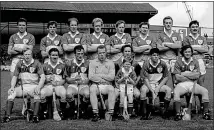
{"type": "Point", "coordinates": [78, 47]}
{"type": "Point", "coordinates": [53, 50]}
{"type": "Point", "coordinates": [101, 47]}
{"type": "Point", "coordinates": [183, 48]}
{"type": "Point", "coordinates": [143, 23]}
{"type": "Point", "coordinates": [52, 23]}
{"type": "Point", "coordinates": [124, 46]}
{"type": "Point", "coordinates": [119, 22]}
{"type": "Point", "coordinates": [154, 50]}
{"type": "Point", "coordinates": [22, 20]}
{"type": "Point", "coordinates": [193, 22]}
{"type": "Point", "coordinates": [167, 17]}
{"type": "Point", "coordinates": [72, 19]}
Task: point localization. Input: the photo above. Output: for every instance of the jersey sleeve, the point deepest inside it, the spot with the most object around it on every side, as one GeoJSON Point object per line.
{"type": "Point", "coordinates": [185, 41]}
{"type": "Point", "coordinates": [165, 70]}
{"type": "Point", "coordinates": [31, 40]}
{"type": "Point", "coordinates": [39, 68]}
{"type": "Point", "coordinates": [11, 41]}
{"type": "Point", "coordinates": [42, 45]}
{"type": "Point", "coordinates": [177, 69]}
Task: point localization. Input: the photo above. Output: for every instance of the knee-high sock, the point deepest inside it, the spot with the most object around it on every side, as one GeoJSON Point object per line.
{"type": "Point", "coordinates": [143, 107]}
{"type": "Point", "coordinates": [36, 108]}
{"type": "Point", "coordinates": [9, 107]}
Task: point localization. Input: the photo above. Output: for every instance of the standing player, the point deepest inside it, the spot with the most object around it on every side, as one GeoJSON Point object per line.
{"type": "Point", "coordinates": [155, 75]}
{"type": "Point", "coordinates": [20, 42]}
{"type": "Point", "coordinates": [50, 41]}
{"type": "Point", "coordinates": [77, 80]}
{"type": "Point", "coordinates": [143, 43]}
{"type": "Point", "coordinates": [118, 40]}
{"type": "Point", "coordinates": [32, 78]}
{"type": "Point", "coordinates": [72, 38]}
{"type": "Point", "coordinates": [96, 38]}
{"type": "Point", "coordinates": [101, 73]}
{"type": "Point", "coordinates": [186, 71]}
{"type": "Point", "coordinates": [54, 72]}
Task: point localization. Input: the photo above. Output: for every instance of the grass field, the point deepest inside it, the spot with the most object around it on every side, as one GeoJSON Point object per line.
{"type": "Point", "coordinates": [156, 123]}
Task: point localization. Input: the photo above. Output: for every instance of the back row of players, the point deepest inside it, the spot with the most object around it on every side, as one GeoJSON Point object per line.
{"type": "Point", "coordinates": [144, 70]}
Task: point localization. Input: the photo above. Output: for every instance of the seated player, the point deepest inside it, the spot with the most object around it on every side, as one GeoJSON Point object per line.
{"type": "Point", "coordinates": [32, 78]}
{"type": "Point", "coordinates": [155, 75]}
{"type": "Point", "coordinates": [187, 71]}
{"type": "Point", "coordinates": [54, 72]}
{"type": "Point", "coordinates": [77, 80]}
{"type": "Point", "coordinates": [126, 75]}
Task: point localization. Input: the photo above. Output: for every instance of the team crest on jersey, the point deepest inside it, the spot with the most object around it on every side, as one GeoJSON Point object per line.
{"type": "Point", "coordinates": [191, 67]}
{"type": "Point", "coordinates": [56, 42]}
{"type": "Point", "coordinates": [123, 40]}
{"type": "Point", "coordinates": [174, 39]}
{"type": "Point", "coordinates": [159, 69]}
{"type": "Point", "coordinates": [25, 41]}
{"type": "Point", "coordinates": [58, 71]}
{"type": "Point", "coordinates": [102, 40]}
{"type": "Point", "coordinates": [148, 42]}
{"type": "Point", "coordinates": [32, 69]}
{"type": "Point", "coordinates": [83, 69]}
{"type": "Point", "coordinates": [77, 40]}
{"type": "Point", "coordinates": [200, 42]}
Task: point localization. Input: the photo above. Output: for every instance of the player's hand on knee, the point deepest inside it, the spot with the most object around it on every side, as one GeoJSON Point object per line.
{"type": "Point", "coordinates": [11, 90]}
{"type": "Point", "coordinates": [37, 90]}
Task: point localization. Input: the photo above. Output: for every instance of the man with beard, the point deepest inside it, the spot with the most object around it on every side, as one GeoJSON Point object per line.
{"type": "Point", "coordinates": [96, 39]}
{"type": "Point", "coordinates": [101, 73]}
{"type": "Point", "coordinates": [55, 75]}
{"type": "Point", "coordinates": [72, 39]}
{"type": "Point", "coordinates": [32, 78]}
{"type": "Point", "coordinates": [77, 80]}
{"type": "Point", "coordinates": [143, 43]}
{"type": "Point", "coordinates": [52, 40]}
{"type": "Point", "coordinates": [118, 40]}
{"type": "Point", "coordinates": [186, 71]}
{"type": "Point", "coordinates": [199, 45]}
{"type": "Point", "coordinates": [20, 42]}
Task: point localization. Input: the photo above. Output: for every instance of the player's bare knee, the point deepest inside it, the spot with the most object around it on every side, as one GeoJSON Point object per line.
{"type": "Point", "coordinates": [93, 89]}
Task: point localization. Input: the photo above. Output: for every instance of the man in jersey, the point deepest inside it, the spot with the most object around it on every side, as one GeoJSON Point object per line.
{"type": "Point", "coordinates": [128, 56]}
{"type": "Point", "coordinates": [118, 40]}
{"type": "Point", "coordinates": [52, 40]}
{"type": "Point", "coordinates": [143, 43]}
{"type": "Point", "coordinates": [19, 42]}
{"type": "Point", "coordinates": [186, 71]}
{"type": "Point", "coordinates": [55, 75]}
{"type": "Point", "coordinates": [77, 80]}
{"type": "Point", "coordinates": [72, 39]}
{"type": "Point", "coordinates": [96, 38]}
{"type": "Point", "coordinates": [101, 73]}
{"type": "Point", "coordinates": [199, 45]}
{"type": "Point", "coordinates": [32, 77]}
{"type": "Point", "coordinates": [155, 75]}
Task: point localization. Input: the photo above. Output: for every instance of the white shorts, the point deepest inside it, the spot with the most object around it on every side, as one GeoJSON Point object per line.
{"type": "Point", "coordinates": [13, 64]}
{"type": "Point", "coordinates": [51, 87]}
{"type": "Point", "coordinates": [130, 89]}
{"type": "Point", "coordinates": [188, 85]}
{"type": "Point", "coordinates": [75, 86]}
{"type": "Point", "coordinates": [202, 66]}
{"type": "Point", "coordinates": [170, 64]}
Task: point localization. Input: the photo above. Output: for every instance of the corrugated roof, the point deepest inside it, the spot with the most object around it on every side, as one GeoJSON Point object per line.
{"type": "Point", "coordinates": [80, 7]}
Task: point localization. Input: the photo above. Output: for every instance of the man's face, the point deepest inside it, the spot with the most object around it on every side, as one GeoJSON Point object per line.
{"type": "Point", "coordinates": [97, 27]}
{"type": "Point", "coordinates": [194, 28]}
{"type": "Point", "coordinates": [127, 65]}
{"type": "Point", "coordinates": [144, 29]}
{"type": "Point", "coordinates": [22, 27]}
{"type": "Point", "coordinates": [155, 57]}
{"type": "Point", "coordinates": [127, 52]}
{"type": "Point", "coordinates": [54, 56]}
{"type": "Point", "coordinates": [121, 28]}
{"type": "Point", "coordinates": [101, 54]}
{"type": "Point", "coordinates": [79, 55]}
{"type": "Point", "coordinates": [73, 26]}
{"type": "Point", "coordinates": [168, 24]}
{"type": "Point", "coordinates": [187, 53]}
{"type": "Point", "coordinates": [52, 29]}
{"type": "Point", "coordinates": [28, 55]}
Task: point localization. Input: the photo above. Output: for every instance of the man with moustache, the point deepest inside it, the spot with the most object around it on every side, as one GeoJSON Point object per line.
{"type": "Point", "coordinates": [118, 40]}
{"type": "Point", "coordinates": [96, 39]}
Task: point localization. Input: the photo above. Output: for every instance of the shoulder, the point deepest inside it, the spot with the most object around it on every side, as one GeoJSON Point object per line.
{"type": "Point", "coordinates": [30, 35]}
{"type": "Point", "coordinates": [44, 38]}
{"type": "Point", "coordinates": [65, 35]}
{"type": "Point", "coordinates": [13, 35]}
{"type": "Point", "coordinates": [37, 62]}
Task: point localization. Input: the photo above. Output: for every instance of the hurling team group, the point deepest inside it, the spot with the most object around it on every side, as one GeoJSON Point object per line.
{"type": "Point", "coordinates": [120, 68]}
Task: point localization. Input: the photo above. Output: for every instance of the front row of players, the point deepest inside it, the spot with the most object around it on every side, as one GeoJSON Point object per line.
{"type": "Point", "coordinates": [88, 78]}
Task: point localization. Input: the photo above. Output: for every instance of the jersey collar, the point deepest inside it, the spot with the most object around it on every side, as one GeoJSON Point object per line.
{"type": "Point", "coordinates": [53, 66]}
{"type": "Point", "coordinates": [193, 36]}
{"type": "Point", "coordinates": [120, 36]}
{"type": "Point", "coordinates": [77, 32]}
{"type": "Point", "coordinates": [21, 36]}
{"type": "Point", "coordinates": [125, 72]}
{"type": "Point", "coordinates": [24, 62]}
{"type": "Point", "coordinates": [145, 37]}
{"type": "Point", "coordinates": [169, 35]}
{"type": "Point", "coordinates": [52, 37]}
{"type": "Point", "coordinates": [191, 59]}
{"type": "Point", "coordinates": [75, 61]}
{"type": "Point", "coordinates": [150, 62]}
{"type": "Point", "coordinates": [98, 35]}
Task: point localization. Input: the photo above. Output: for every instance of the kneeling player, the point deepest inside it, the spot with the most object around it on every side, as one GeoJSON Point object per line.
{"type": "Point", "coordinates": [186, 71]}
{"type": "Point", "coordinates": [32, 79]}
{"type": "Point", "coordinates": [55, 78]}
{"type": "Point", "coordinates": [126, 76]}
{"type": "Point", "coordinates": [77, 72]}
{"type": "Point", "coordinates": [155, 75]}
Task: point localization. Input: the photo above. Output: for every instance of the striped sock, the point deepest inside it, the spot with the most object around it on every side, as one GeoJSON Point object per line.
{"type": "Point", "coordinates": [111, 111]}
{"type": "Point", "coordinates": [95, 111]}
